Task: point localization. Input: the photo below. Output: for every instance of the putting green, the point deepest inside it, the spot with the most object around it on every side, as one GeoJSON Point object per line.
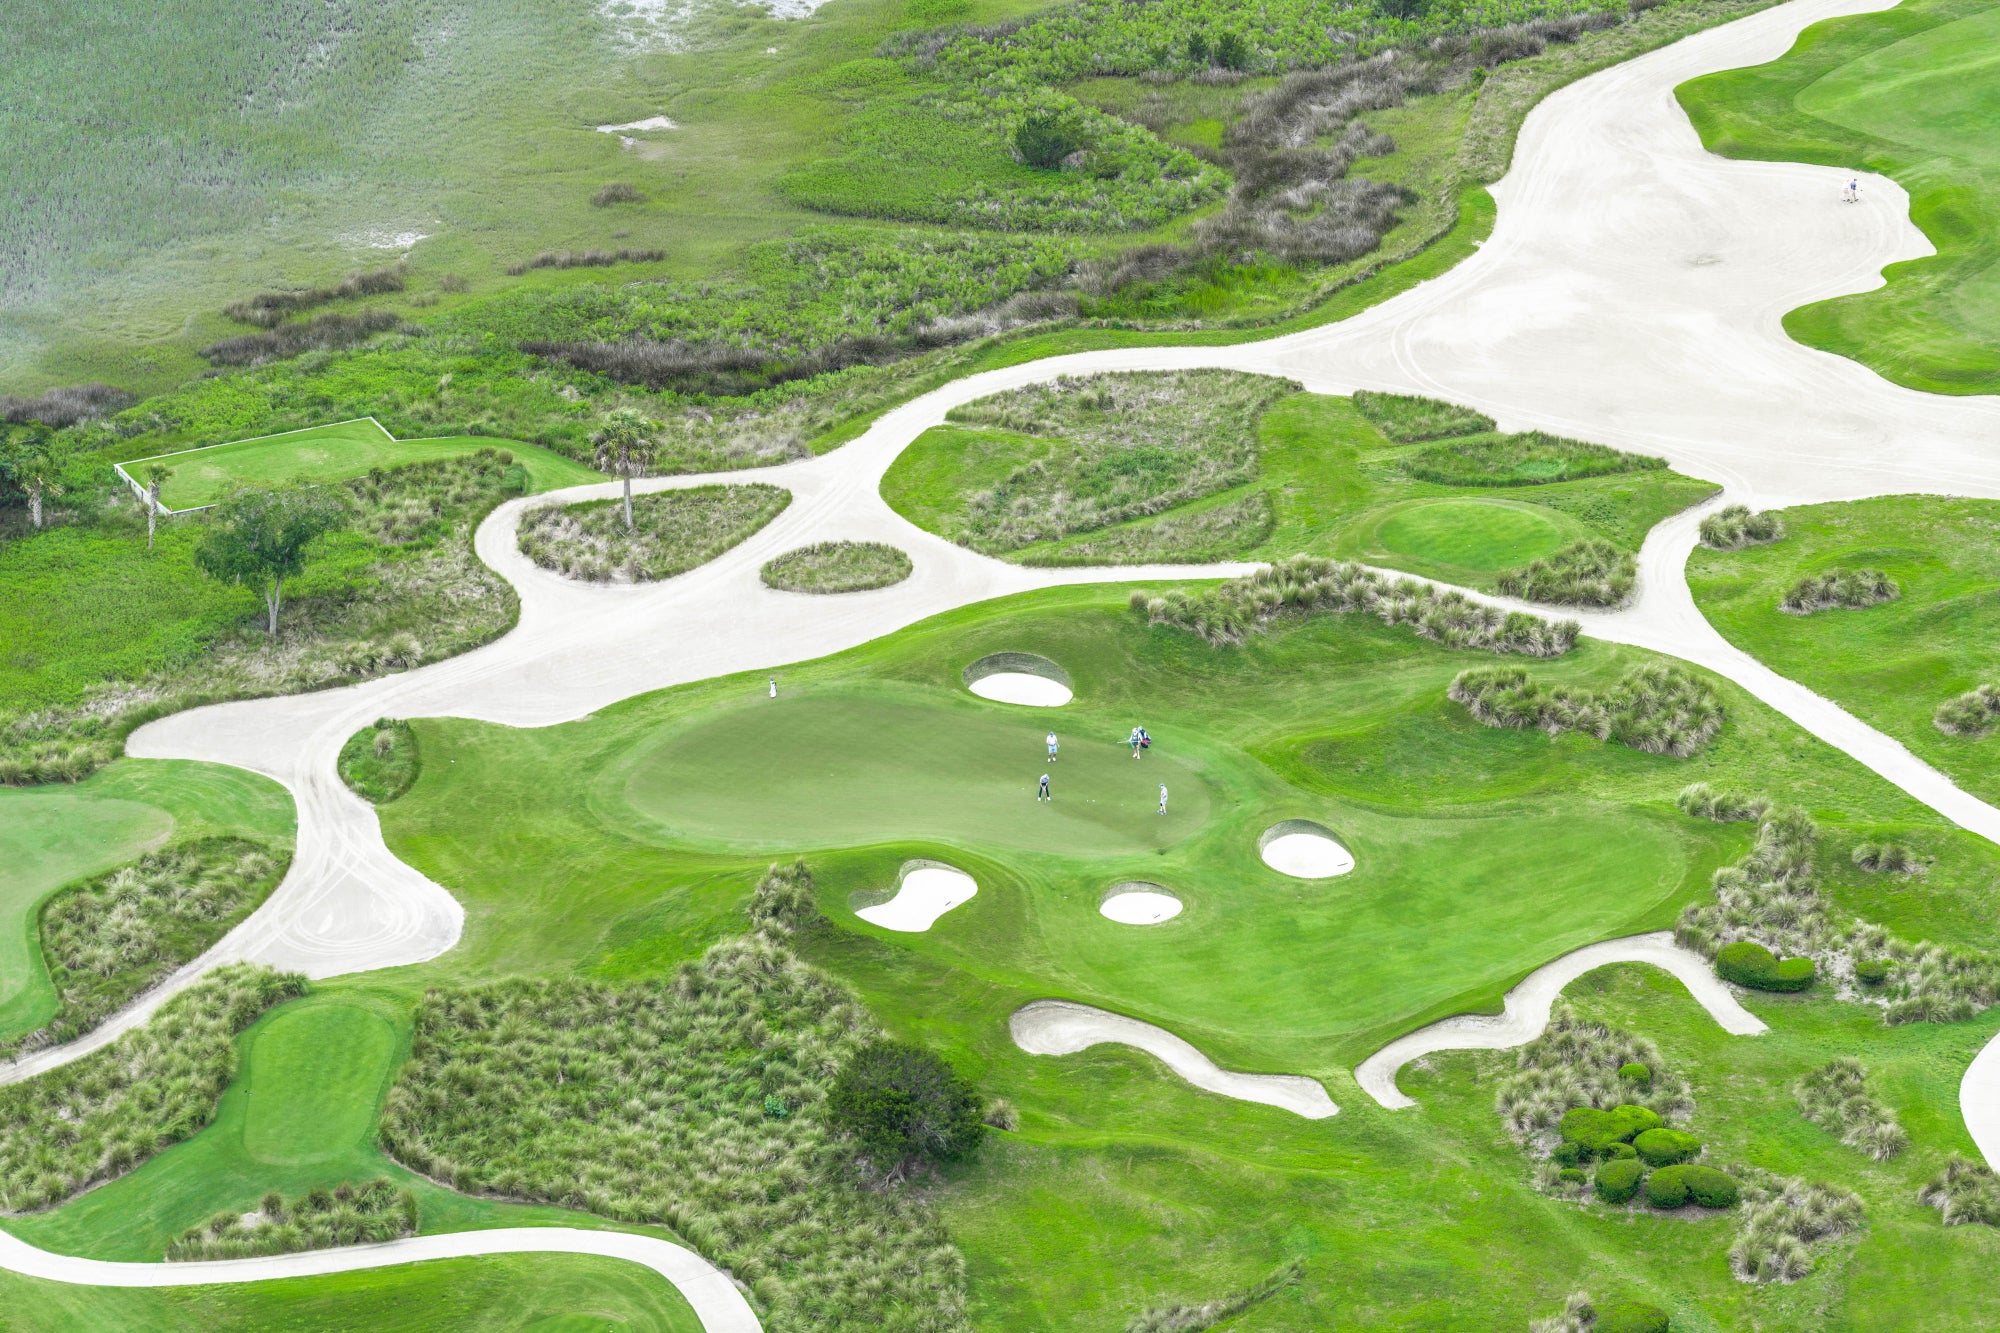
{"type": "Point", "coordinates": [337, 452]}
{"type": "Point", "coordinates": [1471, 533]}
{"type": "Point", "coordinates": [846, 770]}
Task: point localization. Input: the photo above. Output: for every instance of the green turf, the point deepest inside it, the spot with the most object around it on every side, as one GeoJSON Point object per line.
{"type": "Point", "coordinates": [1913, 93]}
{"type": "Point", "coordinates": [52, 836]}
{"type": "Point", "coordinates": [338, 452]}
{"type": "Point", "coordinates": [1471, 532]}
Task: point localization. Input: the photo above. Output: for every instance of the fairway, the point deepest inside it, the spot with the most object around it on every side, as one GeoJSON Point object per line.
{"type": "Point", "coordinates": [338, 452]}
{"type": "Point", "coordinates": [1471, 533]}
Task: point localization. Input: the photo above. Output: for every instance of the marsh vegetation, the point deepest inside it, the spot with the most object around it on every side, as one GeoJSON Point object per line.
{"type": "Point", "coordinates": [672, 532]}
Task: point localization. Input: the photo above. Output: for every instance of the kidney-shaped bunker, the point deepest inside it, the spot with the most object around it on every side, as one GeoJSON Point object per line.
{"type": "Point", "coordinates": [925, 891]}
{"type": "Point", "coordinates": [1019, 678]}
{"type": "Point", "coordinates": [1304, 850]}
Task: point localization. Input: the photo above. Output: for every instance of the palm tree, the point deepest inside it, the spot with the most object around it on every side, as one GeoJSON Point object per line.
{"type": "Point", "coordinates": [625, 446]}
{"type": "Point", "coordinates": [156, 477]}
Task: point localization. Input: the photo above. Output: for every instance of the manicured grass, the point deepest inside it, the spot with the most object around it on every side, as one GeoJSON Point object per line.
{"type": "Point", "coordinates": [1890, 664]}
{"type": "Point", "coordinates": [379, 763]}
{"type": "Point", "coordinates": [1473, 532]}
{"type": "Point", "coordinates": [338, 452]}
{"type": "Point", "coordinates": [1912, 93]}
{"type": "Point", "coordinates": [52, 836]}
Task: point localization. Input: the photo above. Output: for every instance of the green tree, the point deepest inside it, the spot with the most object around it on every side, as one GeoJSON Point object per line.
{"type": "Point", "coordinates": [905, 1106]}
{"type": "Point", "coordinates": [263, 537]}
{"type": "Point", "coordinates": [625, 446]}
{"type": "Point", "coordinates": [1044, 139]}
{"type": "Point", "coordinates": [1232, 52]}
{"type": "Point", "coordinates": [156, 477]}
{"type": "Point", "coordinates": [1197, 48]}
{"type": "Point", "coordinates": [33, 459]}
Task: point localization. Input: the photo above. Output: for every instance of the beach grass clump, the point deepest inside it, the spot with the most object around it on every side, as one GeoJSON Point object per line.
{"type": "Point", "coordinates": [110, 939]}
{"type": "Point", "coordinates": [1973, 714]}
{"type": "Point", "coordinates": [1835, 1097]}
{"type": "Point", "coordinates": [1178, 1318]}
{"type": "Point", "coordinates": [830, 567]}
{"type": "Point", "coordinates": [1184, 536]}
{"type": "Point", "coordinates": [1578, 1315]}
{"type": "Point", "coordinates": [1704, 802]}
{"type": "Point", "coordinates": [1408, 419]}
{"type": "Point", "coordinates": [1656, 707]}
{"type": "Point", "coordinates": [1734, 527]}
{"type": "Point", "coordinates": [370, 1213]}
{"type": "Point", "coordinates": [1304, 585]}
{"type": "Point", "coordinates": [1574, 1064]}
{"type": "Point", "coordinates": [672, 532]}
{"type": "Point", "coordinates": [1585, 573]}
{"type": "Point", "coordinates": [381, 762]}
{"type": "Point", "coordinates": [1531, 458]}
{"type": "Point", "coordinates": [1888, 858]}
{"type": "Point", "coordinates": [1782, 1220]}
{"type": "Point", "coordinates": [1840, 589]}
{"type": "Point", "coordinates": [1964, 1192]}
{"type": "Point", "coordinates": [100, 1116]}
{"type": "Point", "coordinates": [697, 1102]}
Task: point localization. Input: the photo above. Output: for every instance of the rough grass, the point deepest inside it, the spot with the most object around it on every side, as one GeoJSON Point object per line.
{"type": "Point", "coordinates": [370, 1213]}
{"type": "Point", "coordinates": [672, 532]}
{"type": "Point", "coordinates": [1658, 708]}
{"type": "Point", "coordinates": [830, 567]}
{"type": "Point", "coordinates": [381, 762]}
{"type": "Point", "coordinates": [1586, 573]}
{"type": "Point", "coordinates": [1782, 1219]}
{"type": "Point", "coordinates": [1411, 420]}
{"type": "Point", "coordinates": [101, 1116]}
{"type": "Point", "coordinates": [1531, 458]}
{"type": "Point", "coordinates": [110, 939]}
{"type": "Point", "coordinates": [1835, 1097]}
{"type": "Point", "coordinates": [1186, 536]}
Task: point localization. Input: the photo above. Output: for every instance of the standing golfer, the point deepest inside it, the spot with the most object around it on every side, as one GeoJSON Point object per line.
{"type": "Point", "coordinates": [1163, 798]}
{"type": "Point", "coordinates": [1052, 747]}
{"type": "Point", "coordinates": [1043, 794]}
{"type": "Point", "coordinates": [1133, 741]}
{"type": "Point", "coordinates": [774, 687]}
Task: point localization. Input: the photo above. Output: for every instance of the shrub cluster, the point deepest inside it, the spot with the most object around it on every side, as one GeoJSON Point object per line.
{"type": "Point", "coordinates": [1192, 1318]}
{"type": "Point", "coordinates": [269, 309]}
{"type": "Point", "coordinates": [587, 258]}
{"type": "Point", "coordinates": [1888, 858]}
{"type": "Point", "coordinates": [1661, 1146]}
{"type": "Point", "coordinates": [905, 1108]}
{"type": "Point", "coordinates": [1835, 1097]}
{"type": "Point", "coordinates": [1781, 1219]}
{"type": "Point", "coordinates": [1586, 573]}
{"type": "Point", "coordinates": [1305, 584]}
{"type": "Point", "coordinates": [328, 332]}
{"type": "Point", "coordinates": [1593, 1129]}
{"type": "Point", "coordinates": [1964, 1192]}
{"type": "Point", "coordinates": [1849, 589]}
{"type": "Point", "coordinates": [617, 192]}
{"type": "Point", "coordinates": [65, 406]}
{"type": "Point", "coordinates": [1530, 458]}
{"type": "Point", "coordinates": [1735, 527]}
{"type": "Point", "coordinates": [1655, 707]}
{"type": "Point", "coordinates": [1631, 1317]}
{"type": "Point", "coordinates": [672, 532]}
{"type": "Point", "coordinates": [697, 1102]}
{"type": "Point", "coordinates": [1704, 802]}
{"type": "Point", "coordinates": [98, 1117]}
{"type": "Point", "coordinates": [1973, 713]}
{"type": "Point", "coordinates": [381, 762]}
{"type": "Point", "coordinates": [1674, 1186]}
{"type": "Point", "coordinates": [366, 1214]}
{"type": "Point", "coordinates": [1411, 420]}
{"type": "Point", "coordinates": [1748, 963]}
{"type": "Point", "coordinates": [829, 567]}
{"type": "Point", "coordinates": [109, 940]}
{"type": "Point", "coordinates": [1577, 1064]}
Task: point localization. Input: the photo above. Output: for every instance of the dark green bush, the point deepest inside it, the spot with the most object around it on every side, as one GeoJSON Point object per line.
{"type": "Point", "coordinates": [1618, 1151]}
{"type": "Point", "coordinates": [1573, 1175]}
{"type": "Point", "coordinates": [1231, 51]}
{"type": "Point", "coordinates": [1566, 1154]}
{"type": "Point", "coordinates": [1631, 1317]}
{"type": "Point", "coordinates": [1665, 1147]}
{"type": "Point", "coordinates": [1872, 971]}
{"type": "Point", "coordinates": [1618, 1179]}
{"type": "Point", "coordinates": [1748, 963]}
{"type": "Point", "coordinates": [1636, 1073]}
{"type": "Point", "coordinates": [1594, 1131]}
{"type": "Point", "coordinates": [1044, 139]}
{"type": "Point", "coordinates": [1672, 1186]}
{"type": "Point", "coordinates": [904, 1105]}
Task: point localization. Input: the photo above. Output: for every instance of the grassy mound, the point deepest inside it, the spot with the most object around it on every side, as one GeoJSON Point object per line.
{"type": "Point", "coordinates": [1411, 420]}
{"type": "Point", "coordinates": [381, 762]}
{"type": "Point", "coordinates": [828, 567]}
{"type": "Point", "coordinates": [1531, 458]}
{"type": "Point", "coordinates": [672, 532]}
{"type": "Point", "coordinates": [1473, 533]}
{"type": "Point", "coordinates": [1591, 573]}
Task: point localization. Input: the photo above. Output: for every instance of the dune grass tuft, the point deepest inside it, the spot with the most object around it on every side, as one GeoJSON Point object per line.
{"type": "Point", "coordinates": [673, 532]}
{"type": "Point", "coordinates": [1842, 589]}
{"type": "Point", "coordinates": [1585, 573]}
{"type": "Point", "coordinates": [1965, 1191]}
{"type": "Point", "coordinates": [1735, 527]}
{"type": "Point", "coordinates": [829, 567]}
{"type": "Point", "coordinates": [1782, 1220]}
{"type": "Point", "coordinates": [1407, 419]}
{"type": "Point", "coordinates": [1835, 1097]}
{"type": "Point", "coordinates": [1658, 708]}
{"type": "Point", "coordinates": [1973, 713]}
{"type": "Point", "coordinates": [366, 1214]}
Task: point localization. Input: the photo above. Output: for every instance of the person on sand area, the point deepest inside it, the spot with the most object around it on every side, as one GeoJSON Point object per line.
{"type": "Point", "coordinates": [1163, 798]}
{"type": "Point", "coordinates": [1052, 747]}
{"type": "Point", "coordinates": [1043, 794]}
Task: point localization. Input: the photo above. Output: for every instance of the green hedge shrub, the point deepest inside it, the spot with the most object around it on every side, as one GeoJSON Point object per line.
{"type": "Point", "coordinates": [1665, 1147]}
{"type": "Point", "coordinates": [1636, 1073]}
{"type": "Point", "coordinates": [1748, 963]}
{"type": "Point", "coordinates": [1872, 971]}
{"type": "Point", "coordinates": [1618, 1179]}
{"type": "Point", "coordinates": [1618, 1150]}
{"type": "Point", "coordinates": [1631, 1317]}
{"type": "Point", "coordinates": [1672, 1186]}
{"type": "Point", "coordinates": [1573, 1175]}
{"type": "Point", "coordinates": [1593, 1131]}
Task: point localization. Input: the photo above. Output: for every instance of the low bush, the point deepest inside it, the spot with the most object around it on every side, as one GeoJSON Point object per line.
{"type": "Point", "coordinates": [672, 532]}
{"type": "Point", "coordinates": [1573, 1176]}
{"type": "Point", "coordinates": [560, 259]}
{"type": "Point", "coordinates": [1781, 1220]}
{"type": "Point", "coordinates": [617, 192]}
{"type": "Point", "coordinates": [1748, 963]}
{"type": "Point", "coordinates": [1303, 585]}
{"type": "Point", "coordinates": [269, 309]}
{"type": "Point", "coordinates": [328, 332]}
{"type": "Point", "coordinates": [1631, 1317]}
{"type": "Point", "coordinates": [1673, 1186]}
{"type": "Point", "coordinates": [1620, 1152]}
{"type": "Point", "coordinates": [1888, 858]}
{"type": "Point", "coordinates": [1192, 1318]}
{"type": "Point", "coordinates": [1964, 1192]}
{"type": "Point", "coordinates": [1835, 1097]}
{"type": "Point", "coordinates": [98, 1117]}
{"type": "Point", "coordinates": [381, 762]}
{"type": "Point", "coordinates": [1704, 802]}
{"type": "Point", "coordinates": [904, 1107]}
{"type": "Point", "coordinates": [1618, 1179]}
{"type": "Point", "coordinates": [1044, 138]}
{"type": "Point", "coordinates": [111, 939]}
{"type": "Point", "coordinates": [830, 567]}
{"type": "Point", "coordinates": [1527, 459]}
{"type": "Point", "coordinates": [366, 1214]}
{"type": "Point", "coordinates": [1655, 707]}
{"type": "Point", "coordinates": [1848, 589]}
{"type": "Point", "coordinates": [1636, 1072]}
{"type": "Point", "coordinates": [1585, 573]}
{"type": "Point", "coordinates": [1411, 420]}
{"type": "Point", "coordinates": [1871, 971]}
{"type": "Point", "coordinates": [1666, 1147]}
{"type": "Point", "coordinates": [1735, 527]}
{"type": "Point", "coordinates": [1593, 1130]}
{"type": "Point", "coordinates": [1973, 713]}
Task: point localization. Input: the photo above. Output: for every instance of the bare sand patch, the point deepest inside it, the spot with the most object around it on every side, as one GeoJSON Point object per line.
{"type": "Point", "coordinates": [925, 891]}
{"type": "Point", "coordinates": [1138, 902]}
{"type": "Point", "coordinates": [1019, 678]}
{"type": "Point", "coordinates": [1304, 850]}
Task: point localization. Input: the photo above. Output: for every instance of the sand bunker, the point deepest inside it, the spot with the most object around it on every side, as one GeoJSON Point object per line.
{"type": "Point", "coordinates": [925, 891]}
{"type": "Point", "coordinates": [649, 123]}
{"type": "Point", "coordinates": [1138, 902]}
{"type": "Point", "coordinates": [1304, 850]}
{"type": "Point", "coordinates": [1057, 1027]}
{"type": "Point", "coordinates": [1019, 678]}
